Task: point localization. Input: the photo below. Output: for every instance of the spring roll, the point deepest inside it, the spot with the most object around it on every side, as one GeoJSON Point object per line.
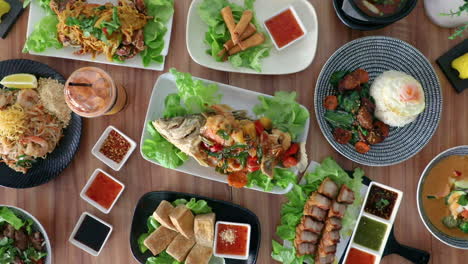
{"type": "Point", "coordinates": [226, 13]}
{"type": "Point", "coordinates": [251, 29]}
{"type": "Point", "coordinates": [236, 49]}
{"type": "Point", "coordinates": [241, 26]}
{"type": "Point", "coordinates": [255, 40]}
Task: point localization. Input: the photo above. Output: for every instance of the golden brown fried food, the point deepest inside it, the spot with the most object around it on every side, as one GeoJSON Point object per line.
{"type": "Point", "coordinates": [342, 136]}
{"type": "Point", "coordinates": [330, 102]}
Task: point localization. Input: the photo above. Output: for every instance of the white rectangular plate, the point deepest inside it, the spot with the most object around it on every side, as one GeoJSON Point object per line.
{"type": "Point", "coordinates": [342, 245]}
{"type": "Point", "coordinates": [237, 98]}
{"type": "Point", "coordinates": [36, 13]}
{"type": "Point", "coordinates": [293, 59]}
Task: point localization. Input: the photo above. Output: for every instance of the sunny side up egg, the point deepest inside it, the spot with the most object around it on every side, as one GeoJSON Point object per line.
{"type": "Point", "coordinates": [399, 98]}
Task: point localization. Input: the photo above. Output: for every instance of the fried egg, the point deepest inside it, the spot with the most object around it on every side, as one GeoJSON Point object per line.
{"type": "Point", "coordinates": [399, 98]}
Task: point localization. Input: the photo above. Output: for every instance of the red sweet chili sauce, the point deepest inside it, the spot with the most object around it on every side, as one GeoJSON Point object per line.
{"type": "Point", "coordinates": [356, 256]}
{"type": "Point", "coordinates": [284, 28]}
{"type": "Point", "coordinates": [103, 190]}
{"type": "Point", "coordinates": [232, 240]}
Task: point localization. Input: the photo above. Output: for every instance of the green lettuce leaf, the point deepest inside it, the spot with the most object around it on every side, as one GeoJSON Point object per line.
{"type": "Point", "coordinates": [218, 34]}
{"type": "Point", "coordinates": [196, 206]}
{"type": "Point", "coordinates": [162, 258]}
{"type": "Point", "coordinates": [155, 30]}
{"type": "Point", "coordinates": [292, 117]}
{"type": "Point", "coordinates": [8, 216]}
{"type": "Point", "coordinates": [157, 148]}
{"type": "Point", "coordinates": [195, 94]}
{"type": "Point", "coordinates": [291, 212]}
{"type": "Point", "coordinates": [282, 178]}
{"type": "Point", "coordinates": [44, 35]}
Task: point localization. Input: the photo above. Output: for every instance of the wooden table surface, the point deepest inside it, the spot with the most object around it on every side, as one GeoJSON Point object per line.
{"type": "Point", "coordinates": [57, 204]}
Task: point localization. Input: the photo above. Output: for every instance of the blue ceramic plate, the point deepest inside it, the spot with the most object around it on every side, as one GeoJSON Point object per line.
{"type": "Point", "coordinates": [375, 55]}
{"type": "Point", "coordinates": [451, 241]}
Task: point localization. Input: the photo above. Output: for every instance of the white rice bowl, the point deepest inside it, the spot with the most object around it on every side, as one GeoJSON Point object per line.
{"type": "Point", "coordinates": [399, 98]}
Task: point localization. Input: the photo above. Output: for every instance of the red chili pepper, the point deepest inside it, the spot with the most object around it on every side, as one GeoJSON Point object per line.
{"type": "Point", "coordinates": [457, 173]}
{"type": "Point", "coordinates": [259, 127]}
{"type": "Point", "coordinates": [252, 164]}
{"type": "Point", "coordinates": [292, 150]}
{"type": "Point", "coordinates": [216, 148]}
{"type": "Point", "coordinates": [105, 31]}
{"type": "Point", "coordinates": [289, 162]}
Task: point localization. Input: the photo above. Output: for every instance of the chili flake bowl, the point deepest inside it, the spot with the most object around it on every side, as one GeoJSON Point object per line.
{"type": "Point", "coordinates": [109, 162]}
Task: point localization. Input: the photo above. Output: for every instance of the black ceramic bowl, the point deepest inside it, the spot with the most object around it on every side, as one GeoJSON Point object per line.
{"type": "Point", "coordinates": [409, 5]}
{"type": "Point", "coordinates": [354, 23]}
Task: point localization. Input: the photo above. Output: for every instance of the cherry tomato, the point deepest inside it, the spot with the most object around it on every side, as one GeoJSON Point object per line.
{"type": "Point", "coordinates": [259, 127]}
{"type": "Point", "coordinates": [237, 179]}
{"type": "Point", "coordinates": [457, 173]}
{"type": "Point", "coordinates": [216, 148]}
{"type": "Point", "coordinates": [292, 150]}
{"type": "Point", "coordinates": [289, 162]}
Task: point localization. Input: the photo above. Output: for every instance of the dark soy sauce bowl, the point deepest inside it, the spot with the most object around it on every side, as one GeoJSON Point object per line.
{"type": "Point", "coordinates": [403, 12]}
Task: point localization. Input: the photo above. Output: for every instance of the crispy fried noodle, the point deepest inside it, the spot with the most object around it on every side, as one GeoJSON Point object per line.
{"type": "Point", "coordinates": [31, 123]}
{"type": "Point", "coordinates": [116, 31]}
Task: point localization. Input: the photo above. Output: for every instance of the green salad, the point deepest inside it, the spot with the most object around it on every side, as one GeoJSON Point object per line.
{"type": "Point", "coordinates": [194, 97]}
{"type": "Point", "coordinates": [218, 33]}
{"type": "Point", "coordinates": [19, 242]}
{"type": "Point", "coordinates": [104, 31]}
{"type": "Point", "coordinates": [292, 211]}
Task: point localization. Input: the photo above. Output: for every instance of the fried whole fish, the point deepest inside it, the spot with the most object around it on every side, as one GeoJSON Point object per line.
{"type": "Point", "coordinates": [231, 142]}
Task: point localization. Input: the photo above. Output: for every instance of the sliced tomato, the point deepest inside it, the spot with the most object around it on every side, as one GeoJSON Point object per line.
{"type": "Point", "coordinates": [292, 150]}
{"type": "Point", "coordinates": [457, 173]}
{"type": "Point", "coordinates": [252, 164]}
{"type": "Point", "coordinates": [289, 162]}
{"type": "Point", "coordinates": [216, 148]}
{"type": "Point", "coordinates": [464, 214]}
{"type": "Point", "coordinates": [105, 31]}
{"type": "Point", "coordinates": [237, 179]}
{"type": "Point", "coordinates": [259, 127]}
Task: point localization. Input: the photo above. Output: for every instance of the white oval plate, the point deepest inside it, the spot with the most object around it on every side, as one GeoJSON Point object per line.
{"type": "Point", "coordinates": [235, 97]}
{"type": "Point", "coordinates": [293, 59]}
{"type": "Point", "coordinates": [36, 13]}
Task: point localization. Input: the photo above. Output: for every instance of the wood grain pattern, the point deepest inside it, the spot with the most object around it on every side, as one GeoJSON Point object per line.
{"type": "Point", "coordinates": [57, 204]}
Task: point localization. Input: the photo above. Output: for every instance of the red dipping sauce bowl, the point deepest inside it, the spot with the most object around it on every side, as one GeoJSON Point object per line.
{"type": "Point", "coordinates": [232, 240]}
{"type": "Point", "coordinates": [102, 191]}
{"type": "Point", "coordinates": [285, 28]}
{"type": "Point", "coordinates": [357, 256]}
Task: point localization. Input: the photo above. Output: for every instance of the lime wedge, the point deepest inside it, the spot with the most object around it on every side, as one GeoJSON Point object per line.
{"type": "Point", "coordinates": [19, 81]}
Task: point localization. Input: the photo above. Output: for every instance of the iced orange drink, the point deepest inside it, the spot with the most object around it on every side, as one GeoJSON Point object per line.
{"type": "Point", "coordinates": [91, 92]}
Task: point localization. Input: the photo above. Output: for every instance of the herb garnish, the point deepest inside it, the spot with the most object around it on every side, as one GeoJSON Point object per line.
{"type": "Point", "coordinates": [25, 161]}
{"type": "Point", "coordinates": [223, 134]}
{"type": "Point", "coordinates": [87, 25]}
{"type": "Point", "coordinates": [463, 200]}
{"type": "Point", "coordinates": [381, 204]}
{"type": "Point", "coordinates": [430, 197]}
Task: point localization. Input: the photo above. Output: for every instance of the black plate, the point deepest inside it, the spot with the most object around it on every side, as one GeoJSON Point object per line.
{"type": "Point", "coordinates": [353, 23]}
{"type": "Point", "coordinates": [225, 211]}
{"type": "Point", "coordinates": [414, 255]}
{"type": "Point", "coordinates": [10, 18]}
{"type": "Point", "coordinates": [445, 62]}
{"type": "Point", "coordinates": [45, 169]}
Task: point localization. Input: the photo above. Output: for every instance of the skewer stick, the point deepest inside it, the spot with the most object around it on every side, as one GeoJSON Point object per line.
{"type": "Point", "coordinates": [241, 26]}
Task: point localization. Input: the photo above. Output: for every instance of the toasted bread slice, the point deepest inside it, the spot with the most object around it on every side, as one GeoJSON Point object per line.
{"type": "Point", "coordinates": [182, 218]}
{"type": "Point", "coordinates": [204, 229]}
{"type": "Point", "coordinates": [162, 214]}
{"type": "Point", "coordinates": [199, 255]}
{"type": "Point", "coordinates": [180, 247]}
{"type": "Point", "coordinates": [158, 241]}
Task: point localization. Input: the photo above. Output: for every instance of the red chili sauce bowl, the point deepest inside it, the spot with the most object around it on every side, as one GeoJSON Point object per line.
{"type": "Point", "coordinates": [232, 240]}
{"type": "Point", "coordinates": [102, 191]}
{"type": "Point", "coordinates": [285, 28]}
